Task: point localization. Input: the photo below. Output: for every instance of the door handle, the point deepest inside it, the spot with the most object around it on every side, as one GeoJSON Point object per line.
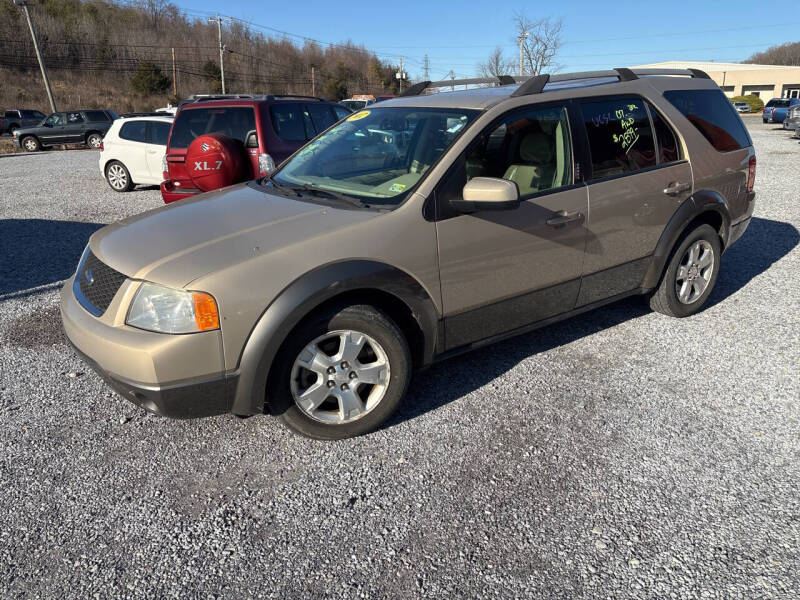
{"type": "Point", "coordinates": [562, 217]}
{"type": "Point", "coordinates": [675, 188]}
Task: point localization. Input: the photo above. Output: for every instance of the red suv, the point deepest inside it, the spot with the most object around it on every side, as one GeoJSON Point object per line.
{"type": "Point", "coordinates": [217, 141]}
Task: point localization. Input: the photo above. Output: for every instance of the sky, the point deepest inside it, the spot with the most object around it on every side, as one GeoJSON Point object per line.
{"type": "Point", "coordinates": [458, 35]}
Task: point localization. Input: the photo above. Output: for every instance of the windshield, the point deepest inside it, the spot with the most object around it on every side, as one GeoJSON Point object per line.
{"type": "Point", "coordinates": [377, 155]}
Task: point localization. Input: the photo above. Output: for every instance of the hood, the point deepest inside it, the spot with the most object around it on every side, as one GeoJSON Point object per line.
{"type": "Point", "coordinates": [177, 243]}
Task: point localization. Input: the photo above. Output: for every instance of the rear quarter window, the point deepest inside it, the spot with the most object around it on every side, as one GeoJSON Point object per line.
{"type": "Point", "coordinates": [713, 116]}
{"type": "Point", "coordinates": [159, 132]}
{"type": "Point", "coordinates": [96, 116]}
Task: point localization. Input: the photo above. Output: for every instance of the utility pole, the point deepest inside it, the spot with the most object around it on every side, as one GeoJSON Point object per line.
{"type": "Point", "coordinates": [174, 78]}
{"type": "Point", "coordinates": [218, 20]}
{"type": "Point", "coordinates": [24, 5]}
{"type": "Point", "coordinates": [426, 67]}
{"type": "Point", "coordinates": [313, 82]}
{"type": "Point", "coordinates": [401, 74]}
{"type": "Point", "coordinates": [522, 37]}
{"type": "Point", "coordinates": [452, 78]}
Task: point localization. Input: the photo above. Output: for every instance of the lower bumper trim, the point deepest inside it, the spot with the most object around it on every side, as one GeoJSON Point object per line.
{"type": "Point", "coordinates": [185, 400]}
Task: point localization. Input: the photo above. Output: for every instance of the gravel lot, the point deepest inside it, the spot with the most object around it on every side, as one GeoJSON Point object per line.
{"type": "Point", "coordinates": [619, 454]}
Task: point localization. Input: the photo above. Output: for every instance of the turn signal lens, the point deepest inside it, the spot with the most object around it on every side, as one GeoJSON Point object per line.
{"type": "Point", "coordinates": [205, 311]}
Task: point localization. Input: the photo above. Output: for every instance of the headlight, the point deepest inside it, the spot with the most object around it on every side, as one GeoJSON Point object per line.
{"type": "Point", "coordinates": [159, 308]}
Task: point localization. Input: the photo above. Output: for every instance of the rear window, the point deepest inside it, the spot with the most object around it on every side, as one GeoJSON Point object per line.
{"type": "Point", "coordinates": [31, 114]}
{"type": "Point", "coordinates": [620, 138]}
{"type": "Point", "coordinates": [713, 116]}
{"type": "Point", "coordinates": [96, 115]}
{"type": "Point", "coordinates": [232, 121]}
{"type": "Point", "coordinates": [290, 122]}
{"type": "Point", "coordinates": [322, 116]}
{"type": "Point", "coordinates": [135, 131]}
{"type": "Point", "coordinates": [777, 103]}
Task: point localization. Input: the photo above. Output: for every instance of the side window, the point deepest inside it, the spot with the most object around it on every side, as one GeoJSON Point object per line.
{"type": "Point", "coordinates": [341, 112]}
{"type": "Point", "coordinates": [288, 119]}
{"type": "Point", "coordinates": [321, 116]}
{"type": "Point", "coordinates": [713, 116]}
{"type": "Point", "coordinates": [159, 132]}
{"type": "Point", "coordinates": [666, 140]}
{"type": "Point", "coordinates": [530, 147]}
{"type": "Point", "coordinates": [74, 118]}
{"type": "Point", "coordinates": [620, 138]}
{"type": "Point", "coordinates": [135, 131]}
{"type": "Point", "coordinates": [55, 119]}
{"type": "Point", "coordinates": [96, 116]}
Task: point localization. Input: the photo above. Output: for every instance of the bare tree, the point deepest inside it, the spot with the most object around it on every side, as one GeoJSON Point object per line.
{"type": "Point", "coordinates": [541, 41]}
{"type": "Point", "coordinates": [155, 10]}
{"type": "Point", "coordinates": [496, 65]}
{"type": "Point", "coordinates": [783, 54]}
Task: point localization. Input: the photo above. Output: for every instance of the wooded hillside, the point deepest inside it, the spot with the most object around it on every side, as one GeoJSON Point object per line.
{"type": "Point", "coordinates": [782, 54]}
{"type": "Point", "coordinates": [105, 54]}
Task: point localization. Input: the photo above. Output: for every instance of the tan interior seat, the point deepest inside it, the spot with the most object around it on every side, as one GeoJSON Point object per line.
{"type": "Point", "coordinates": [536, 168]}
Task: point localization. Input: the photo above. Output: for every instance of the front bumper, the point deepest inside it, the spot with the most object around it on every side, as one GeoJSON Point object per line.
{"type": "Point", "coordinates": [179, 376]}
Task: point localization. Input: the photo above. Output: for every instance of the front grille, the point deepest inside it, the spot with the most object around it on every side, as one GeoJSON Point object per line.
{"type": "Point", "coordinates": [97, 283]}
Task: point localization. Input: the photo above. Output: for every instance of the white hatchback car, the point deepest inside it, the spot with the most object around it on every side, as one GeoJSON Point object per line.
{"type": "Point", "coordinates": [133, 150]}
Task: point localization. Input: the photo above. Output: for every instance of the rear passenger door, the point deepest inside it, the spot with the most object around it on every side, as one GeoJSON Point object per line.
{"type": "Point", "coordinates": [156, 147]}
{"type": "Point", "coordinates": [501, 270]}
{"type": "Point", "coordinates": [133, 142]}
{"type": "Point", "coordinates": [75, 128]}
{"type": "Point", "coordinates": [637, 178]}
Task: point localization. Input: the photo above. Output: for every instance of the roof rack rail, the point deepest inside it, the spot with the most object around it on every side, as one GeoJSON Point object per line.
{"type": "Point", "coordinates": [419, 88]}
{"type": "Point", "coordinates": [273, 96]}
{"type": "Point", "coordinates": [537, 83]}
{"type": "Point", "coordinates": [145, 114]}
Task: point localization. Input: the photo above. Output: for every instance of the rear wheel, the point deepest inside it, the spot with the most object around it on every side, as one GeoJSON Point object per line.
{"type": "Point", "coordinates": [30, 143]}
{"type": "Point", "coordinates": [690, 275]}
{"type": "Point", "coordinates": [118, 177]}
{"type": "Point", "coordinates": [341, 374]}
{"type": "Point", "coordinates": [94, 140]}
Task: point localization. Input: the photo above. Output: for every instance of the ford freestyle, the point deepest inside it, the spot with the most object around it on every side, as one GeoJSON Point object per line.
{"type": "Point", "coordinates": [411, 231]}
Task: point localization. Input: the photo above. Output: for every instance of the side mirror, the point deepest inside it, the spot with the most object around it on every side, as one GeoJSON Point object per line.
{"type": "Point", "coordinates": [251, 140]}
{"type": "Point", "coordinates": [47, 124]}
{"type": "Point", "coordinates": [488, 193]}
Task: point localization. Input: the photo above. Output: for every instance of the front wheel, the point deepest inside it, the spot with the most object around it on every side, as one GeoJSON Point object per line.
{"type": "Point", "coordinates": [341, 374]}
{"type": "Point", "coordinates": [690, 275]}
{"type": "Point", "coordinates": [30, 143]}
{"type": "Point", "coordinates": [94, 140]}
{"type": "Point", "coordinates": [118, 177]}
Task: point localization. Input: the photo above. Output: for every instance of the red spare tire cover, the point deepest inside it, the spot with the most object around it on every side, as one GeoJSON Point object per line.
{"type": "Point", "coordinates": [214, 160]}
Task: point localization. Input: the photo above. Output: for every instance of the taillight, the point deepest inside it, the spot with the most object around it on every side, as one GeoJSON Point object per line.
{"type": "Point", "coordinates": [751, 174]}
{"type": "Point", "coordinates": [164, 168]}
{"type": "Point", "coordinates": [102, 147]}
{"type": "Point", "coordinates": [266, 164]}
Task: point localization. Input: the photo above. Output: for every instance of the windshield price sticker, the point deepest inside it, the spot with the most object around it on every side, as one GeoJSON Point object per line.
{"type": "Point", "coordinates": [359, 115]}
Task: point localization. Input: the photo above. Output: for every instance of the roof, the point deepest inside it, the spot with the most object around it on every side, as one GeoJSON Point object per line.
{"type": "Point", "coordinates": [711, 66]}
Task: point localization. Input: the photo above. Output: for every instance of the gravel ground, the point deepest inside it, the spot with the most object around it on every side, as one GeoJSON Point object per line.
{"type": "Point", "coordinates": [619, 454]}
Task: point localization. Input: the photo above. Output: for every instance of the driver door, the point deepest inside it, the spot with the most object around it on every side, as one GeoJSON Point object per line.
{"type": "Point", "coordinates": [501, 270]}
{"type": "Point", "coordinates": [53, 130]}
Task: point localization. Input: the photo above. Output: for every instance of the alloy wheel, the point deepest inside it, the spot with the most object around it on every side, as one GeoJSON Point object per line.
{"type": "Point", "coordinates": [340, 377]}
{"type": "Point", "coordinates": [117, 177]}
{"type": "Point", "coordinates": [30, 145]}
{"type": "Point", "coordinates": [694, 272]}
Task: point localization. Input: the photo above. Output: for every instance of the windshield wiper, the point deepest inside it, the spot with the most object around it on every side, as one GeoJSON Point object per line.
{"type": "Point", "coordinates": [280, 186]}
{"type": "Point", "coordinates": [319, 191]}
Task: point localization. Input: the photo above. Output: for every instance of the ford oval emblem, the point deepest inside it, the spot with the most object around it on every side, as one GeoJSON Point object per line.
{"type": "Point", "coordinates": [88, 275]}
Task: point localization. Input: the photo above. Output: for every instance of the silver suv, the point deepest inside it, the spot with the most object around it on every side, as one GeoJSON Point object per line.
{"type": "Point", "coordinates": [412, 231]}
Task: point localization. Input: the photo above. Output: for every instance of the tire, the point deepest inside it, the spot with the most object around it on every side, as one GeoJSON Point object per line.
{"type": "Point", "coordinates": [689, 278]}
{"type": "Point", "coordinates": [93, 140]}
{"type": "Point", "coordinates": [118, 177]}
{"type": "Point", "coordinates": [383, 357]}
{"type": "Point", "coordinates": [30, 143]}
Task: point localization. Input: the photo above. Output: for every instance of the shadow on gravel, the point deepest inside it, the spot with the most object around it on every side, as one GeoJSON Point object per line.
{"type": "Point", "coordinates": [457, 377]}
{"type": "Point", "coordinates": [764, 243]}
{"type": "Point", "coordinates": [37, 252]}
